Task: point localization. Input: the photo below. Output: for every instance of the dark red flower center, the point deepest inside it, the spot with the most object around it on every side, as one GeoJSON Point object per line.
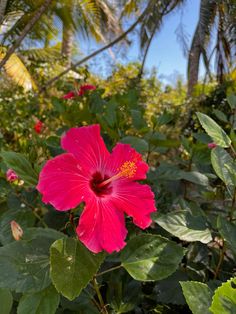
{"type": "Point", "coordinates": [95, 183]}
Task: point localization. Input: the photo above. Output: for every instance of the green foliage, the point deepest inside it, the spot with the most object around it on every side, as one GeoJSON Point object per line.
{"type": "Point", "coordinates": [217, 134]}
{"type": "Point", "coordinates": [21, 166]}
{"type": "Point", "coordinates": [198, 296]}
{"type": "Point", "coordinates": [224, 166]}
{"type": "Point", "coordinates": [25, 265]}
{"type": "Point", "coordinates": [42, 302]}
{"type": "Point", "coordinates": [72, 266]}
{"type": "Point", "coordinates": [224, 299]}
{"type": "Point", "coordinates": [6, 301]}
{"type": "Point", "coordinates": [151, 257]}
{"type": "Point", "coordinates": [172, 266]}
{"type": "Point", "coordinates": [185, 226]}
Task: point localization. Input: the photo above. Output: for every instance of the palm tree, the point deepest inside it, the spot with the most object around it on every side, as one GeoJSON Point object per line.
{"type": "Point", "coordinates": [90, 17]}
{"type": "Point", "coordinates": [221, 14]}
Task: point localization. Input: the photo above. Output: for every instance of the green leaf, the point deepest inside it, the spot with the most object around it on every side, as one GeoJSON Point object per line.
{"type": "Point", "coordinates": [6, 301]}
{"type": "Point", "coordinates": [34, 233]}
{"type": "Point", "coordinates": [151, 257]}
{"type": "Point", "coordinates": [232, 101]}
{"type": "Point", "coordinates": [195, 177]}
{"type": "Point", "coordinates": [169, 290]}
{"type": "Point", "coordinates": [198, 296]}
{"type": "Point", "coordinates": [72, 266]}
{"type": "Point", "coordinates": [58, 104]}
{"type": "Point", "coordinates": [110, 114]}
{"type": "Point", "coordinates": [220, 115]}
{"type": "Point", "coordinates": [165, 118]}
{"type": "Point", "coordinates": [217, 134]}
{"type": "Point", "coordinates": [53, 144]}
{"type": "Point", "coordinates": [42, 302]}
{"type": "Point", "coordinates": [185, 226]}
{"type": "Point", "coordinates": [224, 299]}
{"type": "Point", "coordinates": [123, 293]}
{"type": "Point", "coordinates": [137, 143]}
{"type": "Point", "coordinates": [137, 119]}
{"type": "Point", "coordinates": [24, 217]}
{"type": "Point", "coordinates": [81, 305]}
{"type": "Point", "coordinates": [223, 165]}
{"type": "Point", "coordinates": [21, 166]}
{"type": "Point", "coordinates": [227, 230]}
{"type": "Point", "coordinates": [24, 265]}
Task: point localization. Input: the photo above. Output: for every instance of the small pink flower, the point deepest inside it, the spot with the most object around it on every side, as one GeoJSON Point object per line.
{"type": "Point", "coordinates": [211, 145]}
{"type": "Point", "coordinates": [11, 175]}
{"type": "Point", "coordinates": [82, 90]}
{"type": "Point", "coordinates": [105, 181]}
{"type": "Point", "coordinates": [38, 126]}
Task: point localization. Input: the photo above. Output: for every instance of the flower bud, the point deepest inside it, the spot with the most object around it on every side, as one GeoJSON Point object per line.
{"type": "Point", "coordinates": [16, 230]}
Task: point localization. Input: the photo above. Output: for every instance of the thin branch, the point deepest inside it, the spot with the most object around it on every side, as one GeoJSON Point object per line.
{"type": "Point", "coordinates": [25, 31]}
{"type": "Point", "coordinates": [102, 304]}
{"type": "Point", "coordinates": [108, 270]}
{"type": "Point", "coordinates": [3, 4]}
{"type": "Point", "coordinates": [95, 53]}
{"type": "Point", "coordinates": [164, 12]}
{"type": "Point", "coordinates": [147, 49]}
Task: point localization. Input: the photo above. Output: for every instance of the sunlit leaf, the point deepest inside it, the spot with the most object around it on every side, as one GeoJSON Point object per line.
{"type": "Point", "coordinates": [151, 257]}
{"type": "Point", "coordinates": [213, 129]}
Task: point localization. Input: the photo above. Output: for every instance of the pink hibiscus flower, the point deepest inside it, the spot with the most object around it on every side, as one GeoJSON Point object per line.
{"type": "Point", "coordinates": [69, 95]}
{"type": "Point", "coordinates": [82, 90]}
{"type": "Point", "coordinates": [105, 181]}
{"type": "Point", "coordinates": [38, 126]}
{"type": "Point", "coordinates": [11, 175]}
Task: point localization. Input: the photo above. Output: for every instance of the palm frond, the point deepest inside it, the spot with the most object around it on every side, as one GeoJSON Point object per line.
{"type": "Point", "coordinates": [17, 71]}
{"type": "Point", "coordinates": [43, 54]}
{"type": "Point", "coordinates": [130, 7]}
{"type": "Point", "coordinates": [154, 18]}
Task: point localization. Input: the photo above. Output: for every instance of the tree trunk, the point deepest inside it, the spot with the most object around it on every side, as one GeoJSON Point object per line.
{"type": "Point", "coordinates": [200, 41]}
{"type": "Point", "coordinates": [193, 61]}
{"type": "Point", "coordinates": [67, 44]}
{"type": "Point", "coordinates": [3, 4]}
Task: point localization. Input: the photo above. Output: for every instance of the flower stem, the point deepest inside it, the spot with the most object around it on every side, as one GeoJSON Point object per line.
{"type": "Point", "coordinates": [233, 150]}
{"type": "Point", "coordinates": [221, 259]}
{"type": "Point", "coordinates": [40, 219]}
{"type": "Point", "coordinates": [232, 206]}
{"type": "Point", "coordinates": [102, 304]}
{"type": "Point", "coordinates": [108, 270]}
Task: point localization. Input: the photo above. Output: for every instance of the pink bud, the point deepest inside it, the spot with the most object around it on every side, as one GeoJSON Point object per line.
{"type": "Point", "coordinates": [16, 230]}
{"type": "Point", "coordinates": [211, 145]}
{"type": "Point", "coordinates": [11, 175]}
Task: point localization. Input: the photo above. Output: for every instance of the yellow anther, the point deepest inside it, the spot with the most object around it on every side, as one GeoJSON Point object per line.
{"type": "Point", "coordinates": [128, 169]}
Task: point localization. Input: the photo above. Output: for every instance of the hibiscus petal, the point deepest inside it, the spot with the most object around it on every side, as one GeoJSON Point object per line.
{"type": "Point", "coordinates": [61, 182]}
{"type": "Point", "coordinates": [87, 145]}
{"type": "Point", "coordinates": [69, 95]}
{"type": "Point", "coordinates": [136, 200]}
{"type": "Point", "coordinates": [102, 226]}
{"type": "Point", "coordinates": [122, 153]}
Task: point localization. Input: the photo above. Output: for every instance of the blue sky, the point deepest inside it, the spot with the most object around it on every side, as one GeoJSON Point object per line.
{"type": "Point", "coordinates": [166, 52]}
